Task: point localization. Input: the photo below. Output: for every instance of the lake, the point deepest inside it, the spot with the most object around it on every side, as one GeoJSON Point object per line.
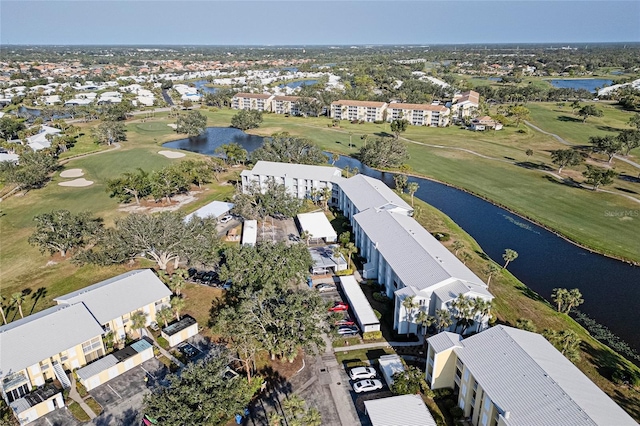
{"type": "Point", "coordinates": [296, 84]}
{"type": "Point", "coordinates": [201, 86]}
{"type": "Point", "coordinates": [589, 84]}
{"type": "Point", "coordinates": [609, 287]}
{"type": "Point", "coordinates": [213, 138]}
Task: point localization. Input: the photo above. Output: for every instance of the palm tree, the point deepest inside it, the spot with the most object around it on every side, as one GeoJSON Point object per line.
{"type": "Point", "coordinates": [306, 236]}
{"type": "Point", "coordinates": [409, 304]}
{"type": "Point", "coordinates": [574, 298]}
{"type": "Point", "coordinates": [412, 188]}
{"type": "Point", "coordinates": [178, 281]}
{"type": "Point", "coordinates": [177, 304]}
{"type": "Point", "coordinates": [164, 315]}
{"type": "Point", "coordinates": [508, 256]}
{"type": "Point", "coordinates": [349, 249]}
{"type": "Point", "coordinates": [457, 246]}
{"type": "Point", "coordinates": [17, 299]}
{"type": "Point", "coordinates": [482, 308]}
{"type": "Point", "coordinates": [464, 312]}
{"type": "Point", "coordinates": [326, 196]}
{"type": "Point", "coordinates": [312, 417]}
{"type": "Point", "coordinates": [425, 320]}
{"type": "Point", "coordinates": [4, 318]}
{"type": "Point", "coordinates": [490, 270]}
{"type": "Point", "coordinates": [443, 319]}
{"type": "Point", "coordinates": [275, 419]}
{"type": "Point", "coordinates": [465, 257]}
{"type": "Point", "coordinates": [138, 321]}
{"type": "Point", "coordinates": [293, 406]}
{"type": "Point", "coordinates": [559, 296]}
{"type": "Point", "coordinates": [334, 157]}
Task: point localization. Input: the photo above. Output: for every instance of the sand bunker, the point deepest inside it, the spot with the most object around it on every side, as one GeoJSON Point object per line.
{"type": "Point", "coordinates": [77, 183]}
{"type": "Point", "coordinates": [171, 154]}
{"type": "Point", "coordinates": [173, 126]}
{"type": "Point", "coordinates": [72, 173]}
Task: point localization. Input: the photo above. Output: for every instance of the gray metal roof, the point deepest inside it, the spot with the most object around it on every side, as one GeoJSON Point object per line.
{"type": "Point", "coordinates": [317, 225]}
{"type": "Point", "coordinates": [451, 290]}
{"type": "Point", "coordinates": [97, 367]}
{"type": "Point", "coordinates": [366, 193]}
{"type": "Point", "coordinates": [417, 258]}
{"type": "Point", "coordinates": [358, 301]}
{"type": "Point", "coordinates": [119, 295]}
{"type": "Point", "coordinates": [405, 410]}
{"type": "Point", "coordinates": [290, 170]}
{"type": "Point", "coordinates": [445, 340]}
{"type": "Point", "coordinates": [522, 373]}
{"type": "Point", "coordinates": [39, 336]}
{"type": "Point", "coordinates": [213, 209]}
{"type": "Point", "coordinates": [323, 256]}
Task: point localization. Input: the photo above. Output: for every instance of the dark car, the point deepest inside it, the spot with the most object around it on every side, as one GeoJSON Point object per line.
{"type": "Point", "coordinates": [188, 350]}
{"type": "Point", "coordinates": [348, 330]}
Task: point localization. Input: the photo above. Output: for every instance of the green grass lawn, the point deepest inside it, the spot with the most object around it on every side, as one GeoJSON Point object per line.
{"type": "Point", "coordinates": [513, 300]}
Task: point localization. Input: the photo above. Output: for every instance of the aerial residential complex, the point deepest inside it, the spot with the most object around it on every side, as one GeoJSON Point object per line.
{"type": "Point", "coordinates": [507, 376]}
{"type": "Point", "coordinates": [400, 253]}
{"type": "Point", "coordinates": [68, 336]}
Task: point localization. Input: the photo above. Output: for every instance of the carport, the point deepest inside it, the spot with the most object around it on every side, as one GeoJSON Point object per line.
{"type": "Point", "coordinates": [318, 227]}
{"type": "Point", "coordinates": [362, 310]}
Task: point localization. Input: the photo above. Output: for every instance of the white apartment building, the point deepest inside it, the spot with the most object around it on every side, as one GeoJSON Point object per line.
{"type": "Point", "coordinates": [358, 110]}
{"type": "Point", "coordinates": [465, 105]}
{"type": "Point", "coordinates": [419, 114]}
{"type": "Point", "coordinates": [252, 101]}
{"type": "Point", "coordinates": [285, 105]}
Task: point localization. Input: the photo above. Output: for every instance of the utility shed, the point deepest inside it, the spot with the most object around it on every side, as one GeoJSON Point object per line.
{"type": "Point", "coordinates": [180, 331]}
{"type": "Point", "coordinates": [318, 226]}
{"type": "Point", "coordinates": [390, 365]}
{"type": "Point", "coordinates": [250, 233]}
{"type": "Point", "coordinates": [213, 209]}
{"type": "Point", "coordinates": [362, 310]}
{"type": "Point", "coordinates": [405, 410]}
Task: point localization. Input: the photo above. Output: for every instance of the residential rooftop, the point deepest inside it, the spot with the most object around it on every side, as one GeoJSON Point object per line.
{"type": "Point", "coordinates": [290, 170]}
{"type": "Point", "coordinates": [366, 192]}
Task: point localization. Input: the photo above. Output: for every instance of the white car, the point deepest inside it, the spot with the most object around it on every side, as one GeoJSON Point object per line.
{"type": "Point", "coordinates": [367, 386]}
{"type": "Point", "coordinates": [226, 218]}
{"type": "Point", "coordinates": [358, 373]}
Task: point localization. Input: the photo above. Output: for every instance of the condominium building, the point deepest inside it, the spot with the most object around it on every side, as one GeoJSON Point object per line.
{"type": "Point", "coordinates": [507, 377]}
{"type": "Point", "coordinates": [419, 114]}
{"type": "Point", "coordinates": [358, 110]}
{"type": "Point", "coordinates": [252, 101]}
{"type": "Point", "coordinates": [465, 105]}
{"type": "Point", "coordinates": [285, 105]}
{"type": "Point", "coordinates": [299, 179]}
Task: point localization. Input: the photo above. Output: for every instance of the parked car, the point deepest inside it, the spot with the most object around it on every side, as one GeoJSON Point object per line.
{"type": "Point", "coordinates": [358, 373]}
{"type": "Point", "coordinates": [188, 350]}
{"type": "Point", "coordinates": [348, 330]}
{"type": "Point", "coordinates": [345, 321]}
{"type": "Point", "coordinates": [339, 306]}
{"type": "Point", "coordinates": [367, 385]}
{"type": "Point", "coordinates": [226, 218]}
{"type": "Point", "coordinates": [323, 288]}
{"type": "Point", "coordinates": [154, 326]}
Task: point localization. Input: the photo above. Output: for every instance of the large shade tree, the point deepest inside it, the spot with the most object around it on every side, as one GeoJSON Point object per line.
{"type": "Point", "coordinates": [60, 231]}
{"type": "Point", "coordinates": [284, 148]}
{"type": "Point", "coordinates": [192, 123]}
{"type": "Point", "coordinates": [383, 153]}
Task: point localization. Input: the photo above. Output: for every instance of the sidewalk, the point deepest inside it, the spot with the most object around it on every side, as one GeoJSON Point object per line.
{"type": "Point", "coordinates": [420, 342]}
{"type": "Point", "coordinates": [73, 394]}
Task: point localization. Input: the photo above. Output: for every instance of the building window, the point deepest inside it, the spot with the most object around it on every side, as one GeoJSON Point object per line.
{"type": "Point", "coordinates": [92, 345]}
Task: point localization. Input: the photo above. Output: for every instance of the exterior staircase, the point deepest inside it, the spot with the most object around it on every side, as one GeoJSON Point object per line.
{"type": "Point", "coordinates": [61, 375]}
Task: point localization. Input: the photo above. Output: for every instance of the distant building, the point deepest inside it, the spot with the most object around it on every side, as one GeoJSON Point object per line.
{"type": "Point", "coordinates": [485, 123]}
{"type": "Point", "coordinates": [252, 101]}
{"type": "Point", "coordinates": [285, 105]}
{"type": "Point", "coordinates": [505, 376]}
{"type": "Point", "coordinates": [419, 114]}
{"type": "Point", "coordinates": [358, 110]}
{"type": "Point", "coordinates": [464, 105]}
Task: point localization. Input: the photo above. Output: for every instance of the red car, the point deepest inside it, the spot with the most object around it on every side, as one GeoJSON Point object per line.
{"type": "Point", "coordinates": [339, 306]}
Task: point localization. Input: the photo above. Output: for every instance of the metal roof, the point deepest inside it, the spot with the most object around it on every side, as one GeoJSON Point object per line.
{"type": "Point", "coordinates": [289, 170]}
{"type": "Point", "coordinates": [317, 225]}
{"type": "Point", "coordinates": [445, 340]}
{"type": "Point", "coordinates": [97, 367]}
{"type": "Point", "coordinates": [184, 323]}
{"type": "Point", "coordinates": [323, 257]}
{"type": "Point", "coordinates": [119, 295]}
{"type": "Point", "coordinates": [358, 301]}
{"type": "Point", "coordinates": [451, 290]}
{"type": "Point", "coordinates": [523, 374]}
{"type": "Point", "coordinates": [417, 258]}
{"type": "Point", "coordinates": [39, 336]}
{"type": "Point", "coordinates": [366, 192]}
{"type": "Point", "coordinates": [405, 410]}
{"type": "Point", "coordinates": [213, 209]}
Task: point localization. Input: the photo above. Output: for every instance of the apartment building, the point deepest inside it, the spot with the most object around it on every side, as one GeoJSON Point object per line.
{"type": "Point", "coordinates": [252, 101]}
{"type": "Point", "coordinates": [299, 179]}
{"type": "Point", "coordinates": [505, 376]}
{"type": "Point", "coordinates": [419, 114]}
{"type": "Point", "coordinates": [285, 105]}
{"type": "Point", "coordinates": [465, 105]}
{"type": "Point", "coordinates": [113, 301]}
{"type": "Point", "coordinates": [358, 110]}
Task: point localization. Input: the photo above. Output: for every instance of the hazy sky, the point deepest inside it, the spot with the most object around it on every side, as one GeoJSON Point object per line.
{"type": "Point", "coordinates": [313, 22]}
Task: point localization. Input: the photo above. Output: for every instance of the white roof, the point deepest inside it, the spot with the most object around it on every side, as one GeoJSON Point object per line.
{"type": "Point", "coordinates": [358, 301]}
{"type": "Point", "coordinates": [451, 290]}
{"type": "Point", "coordinates": [445, 340]}
{"type": "Point", "coordinates": [390, 365]}
{"type": "Point", "coordinates": [405, 410]}
{"type": "Point", "coordinates": [317, 225]}
{"type": "Point", "coordinates": [249, 232]}
{"type": "Point", "coordinates": [522, 373]}
{"type": "Point", "coordinates": [39, 336]}
{"type": "Point", "coordinates": [366, 192]}
{"type": "Point", "coordinates": [417, 258]}
{"type": "Point", "coordinates": [300, 171]}
{"type": "Point", "coordinates": [119, 295]}
{"type": "Point", "coordinates": [9, 157]}
{"type": "Point", "coordinates": [213, 209]}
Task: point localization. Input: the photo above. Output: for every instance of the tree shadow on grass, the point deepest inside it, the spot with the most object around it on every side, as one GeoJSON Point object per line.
{"type": "Point", "coordinates": [628, 191]}
{"type": "Point", "coordinates": [567, 119]}
{"type": "Point", "coordinates": [566, 181]}
{"type": "Point", "coordinates": [532, 294]}
{"type": "Point", "coordinates": [483, 255]}
{"type": "Point", "coordinates": [609, 129]}
{"type": "Point", "coordinates": [629, 178]}
{"type": "Point", "coordinates": [533, 166]}
{"type": "Point", "coordinates": [384, 135]}
{"type": "Point", "coordinates": [375, 354]}
{"type": "Point", "coordinates": [39, 294]}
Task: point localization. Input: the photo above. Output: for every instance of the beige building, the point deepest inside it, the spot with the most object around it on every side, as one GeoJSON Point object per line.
{"type": "Point", "coordinates": [112, 302]}
{"type": "Point", "coordinates": [180, 331]}
{"type": "Point", "coordinates": [485, 123]}
{"type": "Point", "coordinates": [419, 114]}
{"type": "Point", "coordinates": [465, 105]}
{"type": "Point", "coordinates": [358, 110]}
{"type": "Point", "coordinates": [506, 376]}
{"type": "Point", "coordinates": [252, 101]}
{"type": "Point", "coordinates": [285, 105]}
